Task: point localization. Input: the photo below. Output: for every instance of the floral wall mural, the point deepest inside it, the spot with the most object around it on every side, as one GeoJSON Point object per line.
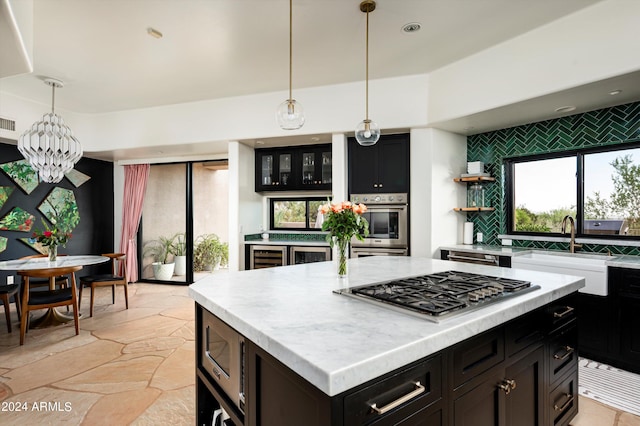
{"type": "Point", "coordinates": [17, 220]}
{"type": "Point", "coordinates": [22, 174]}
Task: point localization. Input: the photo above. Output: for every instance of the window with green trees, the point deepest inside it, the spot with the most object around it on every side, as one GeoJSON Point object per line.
{"type": "Point", "coordinates": [295, 213]}
{"type": "Point", "coordinates": [600, 188]}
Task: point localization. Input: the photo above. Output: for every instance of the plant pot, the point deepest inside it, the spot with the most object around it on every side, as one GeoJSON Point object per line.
{"type": "Point", "coordinates": [163, 271]}
{"type": "Point", "coordinates": [181, 265]}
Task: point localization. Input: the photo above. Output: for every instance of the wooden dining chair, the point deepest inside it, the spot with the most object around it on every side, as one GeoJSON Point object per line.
{"type": "Point", "coordinates": [51, 298]}
{"type": "Point", "coordinates": [6, 291]}
{"type": "Point", "coordinates": [61, 280]}
{"type": "Point", "coordinates": [118, 276]}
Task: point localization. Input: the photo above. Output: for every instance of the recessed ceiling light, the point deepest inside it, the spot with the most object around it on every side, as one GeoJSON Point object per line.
{"type": "Point", "coordinates": [154, 33]}
{"type": "Point", "coordinates": [315, 139]}
{"type": "Point", "coordinates": [567, 108]}
{"type": "Point", "coordinates": [615, 92]}
{"type": "Point", "coordinates": [411, 27]}
{"type": "Point", "coordinates": [259, 142]}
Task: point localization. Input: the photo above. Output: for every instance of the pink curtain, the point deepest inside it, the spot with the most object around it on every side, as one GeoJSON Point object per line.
{"type": "Point", "coordinates": [135, 186]}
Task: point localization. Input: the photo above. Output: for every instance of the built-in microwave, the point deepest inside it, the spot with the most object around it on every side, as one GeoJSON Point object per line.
{"type": "Point", "coordinates": [222, 357]}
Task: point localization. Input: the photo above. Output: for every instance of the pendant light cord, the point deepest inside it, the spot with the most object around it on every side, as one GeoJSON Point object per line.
{"type": "Point", "coordinates": [53, 98]}
{"type": "Point", "coordinates": [290, 48]}
{"type": "Point", "coordinates": [367, 71]}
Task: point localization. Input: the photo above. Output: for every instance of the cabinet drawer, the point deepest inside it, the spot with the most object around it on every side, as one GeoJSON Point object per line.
{"type": "Point", "coordinates": [523, 332]}
{"type": "Point", "coordinates": [414, 388]}
{"type": "Point", "coordinates": [563, 352]}
{"type": "Point", "coordinates": [477, 355]}
{"type": "Point", "coordinates": [563, 401]}
{"type": "Point", "coordinates": [561, 312]}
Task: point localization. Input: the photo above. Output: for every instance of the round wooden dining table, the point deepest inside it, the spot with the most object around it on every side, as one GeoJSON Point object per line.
{"type": "Point", "coordinates": [52, 316]}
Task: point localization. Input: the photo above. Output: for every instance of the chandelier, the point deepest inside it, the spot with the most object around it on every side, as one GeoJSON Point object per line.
{"type": "Point", "coordinates": [367, 131]}
{"type": "Point", "coordinates": [290, 114]}
{"type": "Point", "coordinates": [49, 145]}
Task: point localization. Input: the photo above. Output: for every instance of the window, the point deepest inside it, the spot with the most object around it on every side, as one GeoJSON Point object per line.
{"type": "Point", "coordinates": [295, 213]}
{"type": "Point", "coordinates": [599, 188]}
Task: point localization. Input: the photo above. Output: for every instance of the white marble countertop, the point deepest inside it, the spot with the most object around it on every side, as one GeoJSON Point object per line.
{"type": "Point", "coordinates": [337, 342]}
{"type": "Point", "coordinates": [620, 261]}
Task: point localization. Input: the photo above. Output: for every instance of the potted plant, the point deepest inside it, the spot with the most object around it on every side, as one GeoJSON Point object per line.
{"type": "Point", "coordinates": [160, 250]}
{"type": "Point", "coordinates": [179, 251]}
{"type": "Point", "coordinates": [209, 253]}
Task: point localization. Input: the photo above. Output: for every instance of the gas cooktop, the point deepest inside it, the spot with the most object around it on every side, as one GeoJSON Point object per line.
{"type": "Point", "coordinates": [439, 295]}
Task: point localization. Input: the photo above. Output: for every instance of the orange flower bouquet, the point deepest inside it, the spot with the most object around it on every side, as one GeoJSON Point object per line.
{"type": "Point", "coordinates": [344, 221]}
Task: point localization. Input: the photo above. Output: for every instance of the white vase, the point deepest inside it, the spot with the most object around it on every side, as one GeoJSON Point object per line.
{"type": "Point", "coordinates": [163, 271]}
{"type": "Point", "coordinates": [181, 265]}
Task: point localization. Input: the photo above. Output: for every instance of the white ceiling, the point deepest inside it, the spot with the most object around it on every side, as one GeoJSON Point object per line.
{"type": "Point", "coordinates": [224, 48]}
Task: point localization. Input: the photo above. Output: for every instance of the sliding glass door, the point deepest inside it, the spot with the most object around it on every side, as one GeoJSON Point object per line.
{"type": "Point", "coordinates": [184, 230]}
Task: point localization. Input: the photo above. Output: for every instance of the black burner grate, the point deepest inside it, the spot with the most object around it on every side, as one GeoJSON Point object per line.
{"type": "Point", "coordinates": [440, 293]}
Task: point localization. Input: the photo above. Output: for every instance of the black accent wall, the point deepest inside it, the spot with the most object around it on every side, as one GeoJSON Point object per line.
{"type": "Point", "coordinates": [95, 200]}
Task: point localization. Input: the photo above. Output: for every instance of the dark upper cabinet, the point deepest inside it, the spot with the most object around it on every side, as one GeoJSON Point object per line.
{"type": "Point", "coordinates": [293, 168]}
{"type": "Point", "coordinates": [383, 167]}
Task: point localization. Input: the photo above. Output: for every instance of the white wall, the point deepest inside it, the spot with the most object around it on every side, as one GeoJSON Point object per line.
{"type": "Point", "coordinates": [590, 45]}
{"type": "Point", "coordinates": [436, 158]}
{"type": "Point", "coordinates": [245, 205]}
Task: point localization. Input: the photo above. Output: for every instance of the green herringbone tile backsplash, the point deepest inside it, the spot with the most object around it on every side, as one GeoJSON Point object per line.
{"type": "Point", "coordinates": [609, 126]}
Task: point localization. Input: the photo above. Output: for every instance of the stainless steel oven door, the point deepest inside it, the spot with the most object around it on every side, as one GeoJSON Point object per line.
{"type": "Point", "coordinates": [222, 357]}
{"type": "Point", "coordinates": [387, 226]}
{"type": "Point", "coordinates": [371, 251]}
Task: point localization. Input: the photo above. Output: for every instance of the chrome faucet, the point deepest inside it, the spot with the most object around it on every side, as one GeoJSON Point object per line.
{"type": "Point", "coordinates": [572, 244]}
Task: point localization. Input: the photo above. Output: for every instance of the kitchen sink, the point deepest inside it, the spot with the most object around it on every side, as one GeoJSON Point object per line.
{"type": "Point", "coordinates": [590, 266]}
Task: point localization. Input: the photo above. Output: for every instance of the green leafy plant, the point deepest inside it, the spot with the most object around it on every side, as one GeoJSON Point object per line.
{"type": "Point", "coordinates": [178, 245]}
{"type": "Point", "coordinates": [209, 251]}
{"type": "Point", "coordinates": [159, 249]}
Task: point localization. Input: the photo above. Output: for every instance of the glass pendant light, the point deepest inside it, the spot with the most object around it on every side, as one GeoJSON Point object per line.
{"type": "Point", "coordinates": [49, 145]}
{"type": "Point", "coordinates": [290, 114]}
{"type": "Point", "coordinates": [367, 131]}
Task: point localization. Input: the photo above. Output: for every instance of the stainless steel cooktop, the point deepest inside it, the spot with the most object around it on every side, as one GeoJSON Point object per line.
{"type": "Point", "coordinates": [440, 295]}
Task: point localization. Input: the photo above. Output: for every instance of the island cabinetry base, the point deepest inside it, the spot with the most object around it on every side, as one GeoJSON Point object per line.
{"type": "Point", "coordinates": [522, 372]}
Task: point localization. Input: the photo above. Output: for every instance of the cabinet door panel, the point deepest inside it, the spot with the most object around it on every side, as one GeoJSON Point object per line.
{"type": "Point", "coordinates": [524, 405]}
{"type": "Point", "coordinates": [481, 405]}
{"type": "Point", "coordinates": [363, 170]}
{"type": "Point", "coordinates": [393, 163]}
{"type": "Point", "coordinates": [594, 323]}
{"type": "Point", "coordinates": [629, 333]}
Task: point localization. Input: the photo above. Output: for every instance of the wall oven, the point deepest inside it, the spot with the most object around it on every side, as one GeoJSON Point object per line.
{"type": "Point", "coordinates": [387, 215]}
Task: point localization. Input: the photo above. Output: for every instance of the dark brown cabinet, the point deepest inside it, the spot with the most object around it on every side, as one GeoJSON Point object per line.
{"type": "Point", "coordinates": [608, 330]}
{"type": "Point", "coordinates": [624, 285]}
{"type": "Point", "coordinates": [383, 167]}
{"type": "Point", "coordinates": [293, 168]}
{"type": "Point", "coordinates": [523, 372]}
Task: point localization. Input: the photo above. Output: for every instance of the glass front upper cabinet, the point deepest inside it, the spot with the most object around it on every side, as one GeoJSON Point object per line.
{"type": "Point", "coordinates": [293, 168]}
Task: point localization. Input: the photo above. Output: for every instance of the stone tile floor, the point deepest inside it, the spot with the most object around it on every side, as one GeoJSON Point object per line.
{"type": "Point", "coordinates": [130, 367]}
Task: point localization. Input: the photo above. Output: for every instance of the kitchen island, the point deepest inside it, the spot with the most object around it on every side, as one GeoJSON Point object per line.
{"type": "Point", "coordinates": [338, 345]}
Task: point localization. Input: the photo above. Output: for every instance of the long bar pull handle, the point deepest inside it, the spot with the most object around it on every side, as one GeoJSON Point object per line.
{"type": "Point", "coordinates": [390, 406]}
{"type": "Point", "coordinates": [567, 311]}
{"type": "Point", "coordinates": [566, 404]}
{"type": "Point", "coordinates": [568, 351]}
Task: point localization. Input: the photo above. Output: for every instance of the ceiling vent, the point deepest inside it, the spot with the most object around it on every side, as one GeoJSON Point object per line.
{"type": "Point", "coordinates": [7, 124]}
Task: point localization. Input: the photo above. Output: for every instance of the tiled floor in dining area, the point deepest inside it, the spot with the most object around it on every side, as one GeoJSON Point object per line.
{"type": "Point", "coordinates": [131, 366]}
